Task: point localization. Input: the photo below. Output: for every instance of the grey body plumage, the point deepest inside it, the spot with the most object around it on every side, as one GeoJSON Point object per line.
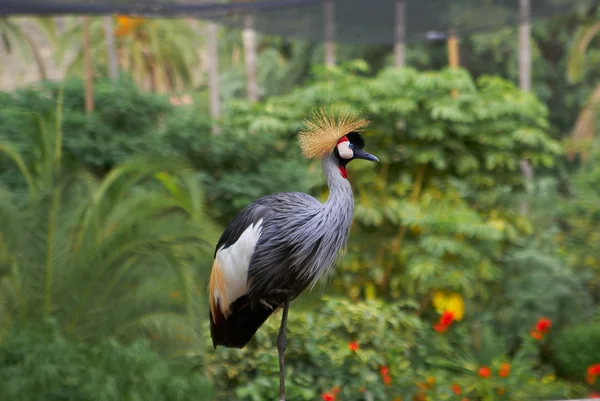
{"type": "Point", "coordinates": [301, 236]}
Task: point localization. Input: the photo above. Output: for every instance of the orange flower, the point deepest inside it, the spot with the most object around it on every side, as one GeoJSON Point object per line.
{"type": "Point", "coordinates": [504, 370]}
{"type": "Point", "coordinates": [500, 391]}
{"type": "Point", "coordinates": [362, 390]}
{"type": "Point", "coordinates": [353, 346]}
{"type": "Point", "coordinates": [543, 325]}
{"type": "Point", "coordinates": [328, 396]}
{"type": "Point", "coordinates": [430, 380]}
{"type": "Point", "coordinates": [126, 24]}
{"type": "Point", "coordinates": [174, 294]}
{"type": "Point", "coordinates": [485, 372]}
{"type": "Point", "coordinates": [456, 389]}
{"type": "Point", "coordinates": [536, 334]}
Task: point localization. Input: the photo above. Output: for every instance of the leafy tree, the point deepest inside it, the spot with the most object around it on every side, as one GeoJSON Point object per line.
{"type": "Point", "coordinates": [433, 213]}
{"type": "Point", "coordinates": [112, 257]}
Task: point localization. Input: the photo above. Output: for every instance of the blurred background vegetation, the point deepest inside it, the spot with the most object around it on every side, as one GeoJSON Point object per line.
{"type": "Point", "coordinates": [450, 289]}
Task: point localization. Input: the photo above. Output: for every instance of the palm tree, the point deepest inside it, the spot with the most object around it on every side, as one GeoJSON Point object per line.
{"type": "Point", "coordinates": [585, 125]}
{"type": "Point", "coordinates": [161, 54]}
{"type": "Point", "coordinates": [14, 37]}
{"type": "Point", "coordinates": [106, 258]}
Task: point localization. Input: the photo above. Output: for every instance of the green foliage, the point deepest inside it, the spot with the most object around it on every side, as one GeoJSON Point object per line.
{"type": "Point", "coordinates": [318, 358]}
{"type": "Point", "coordinates": [125, 121]}
{"type": "Point", "coordinates": [535, 282]}
{"type": "Point", "coordinates": [420, 362]}
{"type": "Point", "coordinates": [575, 349]}
{"type": "Point", "coordinates": [111, 257]}
{"type": "Point", "coordinates": [39, 362]}
{"type": "Point", "coordinates": [446, 164]}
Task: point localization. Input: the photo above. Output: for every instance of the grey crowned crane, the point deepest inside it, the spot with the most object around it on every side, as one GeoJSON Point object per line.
{"type": "Point", "coordinates": [283, 243]}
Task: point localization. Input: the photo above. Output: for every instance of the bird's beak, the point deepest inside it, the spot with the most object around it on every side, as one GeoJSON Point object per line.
{"type": "Point", "coordinates": [361, 154]}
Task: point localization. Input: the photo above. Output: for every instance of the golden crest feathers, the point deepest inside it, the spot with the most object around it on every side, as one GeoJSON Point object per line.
{"type": "Point", "coordinates": [323, 132]}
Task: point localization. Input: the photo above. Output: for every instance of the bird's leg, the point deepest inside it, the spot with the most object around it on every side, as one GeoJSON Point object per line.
{"type": "Point", "coordinates": [281, 345]}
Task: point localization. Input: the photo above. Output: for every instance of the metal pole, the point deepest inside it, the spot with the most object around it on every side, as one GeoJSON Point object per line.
{"type": "Point", "coordinates": [113, 67]}
{"type": "Point", "coordinates": [525, 76]}
{"type": "Point", "coordinates": [400, 33]}
{"type": "Point", "coordinates": [249, 39]}
{"type": "Point", "coordinates": [525, 44]}
{"type": "Point", "coordinates": [329, 33]}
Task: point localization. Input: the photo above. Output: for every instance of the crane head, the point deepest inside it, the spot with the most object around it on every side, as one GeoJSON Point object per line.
{"type": "Point", "coordinates": [350, 147]}
{"type": "Point", "coordinates": [326, 134]}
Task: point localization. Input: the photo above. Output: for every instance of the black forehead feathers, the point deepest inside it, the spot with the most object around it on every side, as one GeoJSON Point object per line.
{"type": "Point", "coordinates": [356, 139]}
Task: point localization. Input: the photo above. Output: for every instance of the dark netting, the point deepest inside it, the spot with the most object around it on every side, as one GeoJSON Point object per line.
{"type": "Point", "coordinates": [356, 21]}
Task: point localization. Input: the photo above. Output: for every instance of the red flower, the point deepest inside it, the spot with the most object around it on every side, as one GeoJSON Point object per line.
{"type": "Point", "coordinates": [447, 318]}
{"type": "Point", "coordinates": [543, 325]}
{"type": "Point", "coordinates": [440, 328]}
{"type": "Point", "coordinates": [536, 334]}
{"type": "Point", "coordinates": [445, 321]}
{"type": "Point", "coordinates": [456, 389]}
{"type": "Point", "coordinates": [387, 380]}
{"type": "Point", "coordinates": [590, 379]}
{"type": "Point", "coordinates": [594, 369]}
{"type": "Point", "coordinates": [384, 370]}
{"type": "Point", "coordinates": [328, 396]}
{"type": "Point", "coordinates": [485, 372]}
{"type": "Point", "coordinates": [594, 395]}
{"type": "Point", "coordinates": [353, 346]}
{"type": "Point", "coordinates": [504, 370]}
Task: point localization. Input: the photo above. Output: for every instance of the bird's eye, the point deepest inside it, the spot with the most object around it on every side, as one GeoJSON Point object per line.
{"type": "Point", "coordinates": [351, 146]}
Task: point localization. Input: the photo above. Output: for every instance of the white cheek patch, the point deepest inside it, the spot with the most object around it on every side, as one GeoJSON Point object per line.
{"type": "Point", "coordinates": [344, 150]}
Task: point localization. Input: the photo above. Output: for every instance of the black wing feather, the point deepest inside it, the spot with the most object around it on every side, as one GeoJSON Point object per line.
{"type": "Point", "coordinates": [249, 215]}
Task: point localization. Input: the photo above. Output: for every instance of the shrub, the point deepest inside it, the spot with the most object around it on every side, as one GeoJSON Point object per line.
{"type": "Point", "coordinates": [40, 363]}
{"type": "Point", "coordinates": [576, 348]}
{"type": "Point", "coordinates": [319, 356]}
{"type": "Point", "coordinates": [356, 351]}
{"type": "Point", "coordinates": [125, 121]}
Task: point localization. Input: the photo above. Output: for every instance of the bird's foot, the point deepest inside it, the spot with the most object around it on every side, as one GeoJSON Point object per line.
{"type": "Point", "coordinates": [266, 304]}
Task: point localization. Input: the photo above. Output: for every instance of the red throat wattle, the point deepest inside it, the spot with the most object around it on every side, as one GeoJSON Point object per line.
{"type": "Point", "coordinates": [342, 168]}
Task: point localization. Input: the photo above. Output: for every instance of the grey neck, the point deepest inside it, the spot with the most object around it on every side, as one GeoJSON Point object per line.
{"type": "Point", "coordinates": [340, 190]}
